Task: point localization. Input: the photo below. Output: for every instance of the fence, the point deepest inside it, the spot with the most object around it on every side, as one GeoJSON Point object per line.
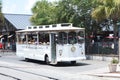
{"type": "Point", "coordinates": [101, 48]}
{"type": "Point", "coordinates": [7, 46]}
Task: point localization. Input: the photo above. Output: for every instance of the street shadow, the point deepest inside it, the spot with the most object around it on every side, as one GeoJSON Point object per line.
{"type": "Point", "coordinates": [68, 64]}
{"type": "Point", "coordinates": [35, 61]}
{"type": "Point", "coordinates": [59, 64]}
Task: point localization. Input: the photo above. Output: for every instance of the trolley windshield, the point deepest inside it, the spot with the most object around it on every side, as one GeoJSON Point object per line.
{"type": "Point", "coordinates": [70, 37]}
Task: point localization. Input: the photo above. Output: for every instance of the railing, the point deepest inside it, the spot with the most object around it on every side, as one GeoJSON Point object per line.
{"type": "Point", "coordinates": [101, 48]}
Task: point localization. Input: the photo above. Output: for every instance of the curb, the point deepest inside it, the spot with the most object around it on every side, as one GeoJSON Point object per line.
{"type": "Point", "coordinates": [7, 53]}
{"type": "Point", "coordinates": [112, 75]}
{"type": "Point", "coordinates": [101, 58]}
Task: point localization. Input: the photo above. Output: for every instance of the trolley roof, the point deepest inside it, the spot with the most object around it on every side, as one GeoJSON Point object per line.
{"type": "Point", "coordinates": [50, 28]}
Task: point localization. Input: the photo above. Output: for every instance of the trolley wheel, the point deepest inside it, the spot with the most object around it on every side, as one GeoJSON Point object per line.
{"type": "Point", "coordinates": [46, 59]}
{"type": "Point", "coordinates": [73, 62]}
{"type": "Point", "coordinates": [27, 59]}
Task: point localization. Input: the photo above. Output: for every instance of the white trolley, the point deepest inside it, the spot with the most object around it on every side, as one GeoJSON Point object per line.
{"type": "Point", "coordinates": [51, 43]}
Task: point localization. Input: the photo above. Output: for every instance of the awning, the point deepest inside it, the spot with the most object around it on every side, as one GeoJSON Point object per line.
{"type": "Point", "coordinates": [110, 37]}
{"type": "Point", "coordinates": [1, 36]}
{"type": "Point", "coordinates": [10, 36]}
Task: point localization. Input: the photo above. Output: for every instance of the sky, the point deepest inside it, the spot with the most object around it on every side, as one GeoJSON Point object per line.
{"type": "Point", "coordinates": [18, 6]}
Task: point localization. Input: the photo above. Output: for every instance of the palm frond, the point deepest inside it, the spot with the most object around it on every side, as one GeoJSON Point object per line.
{"type": "Point", "coordinates": [110, 9]}
{"type": "Point", "coordinates": [99, 13]}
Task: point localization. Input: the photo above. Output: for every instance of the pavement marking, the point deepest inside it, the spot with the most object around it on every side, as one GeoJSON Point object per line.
{"type": "Point", "coordinates": [29, 73]}
{"type": "Point", "coordinates": [10, 76]}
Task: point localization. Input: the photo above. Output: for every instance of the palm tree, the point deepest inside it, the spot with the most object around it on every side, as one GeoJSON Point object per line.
{"type": "Point", "coordinates": [107, 9]}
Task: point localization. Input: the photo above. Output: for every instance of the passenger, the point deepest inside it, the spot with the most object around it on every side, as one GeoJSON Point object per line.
{"type": "Point", "coordinates": [8, 45]}
{"type": "Point", "coordinates": [44, 43]}
{"type": "Point", "coordinates": [40, 42]}
{"type": "Point", "coordinates": [29, 42]}
{"type": "Point", "coordinates": [1, 46]}
{"type": "Point", "coordinates": [48, 43]}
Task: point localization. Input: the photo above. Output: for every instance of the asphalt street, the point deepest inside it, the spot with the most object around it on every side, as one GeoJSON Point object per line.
{"type": "Point", "coordinates": [15, 68]}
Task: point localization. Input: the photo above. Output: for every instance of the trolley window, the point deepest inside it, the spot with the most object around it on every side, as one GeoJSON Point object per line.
{"type": "Point", "coordinates": [80, 37]}
{"type": "Point", "coordinates": [62, 38]}
{"type": "Point", "coordinates": [72, 38]}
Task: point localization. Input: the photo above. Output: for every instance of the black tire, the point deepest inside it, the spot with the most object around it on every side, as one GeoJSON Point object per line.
{"type": "Point", "coordinates": [47, 60]}
{"type": "Point", "coordinates": [27, 59]}
{"type": "Point", "coordinates": [73, 62]}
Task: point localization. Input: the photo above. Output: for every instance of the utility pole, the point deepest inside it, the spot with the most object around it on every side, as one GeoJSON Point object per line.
{"type": "Point", "coordinates": [118, 24]}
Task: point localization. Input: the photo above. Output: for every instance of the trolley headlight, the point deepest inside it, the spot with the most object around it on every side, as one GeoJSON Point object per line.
{"type": "Point", "coordinates": [60, 52]}
{"type": "Point", "coordinates": [73, 49]}
{"type": "Point", "coordinates": [82, 53]}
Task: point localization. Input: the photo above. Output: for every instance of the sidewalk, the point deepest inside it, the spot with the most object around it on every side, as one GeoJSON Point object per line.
{"type": "Point", "coordinates": [97, 72]}
{"type": "Point", "coordinates": [6, 52]}
{"type": "Point", "coordinates": [104, 72]}
{"type": "Point", "coordinates": [112, 75]}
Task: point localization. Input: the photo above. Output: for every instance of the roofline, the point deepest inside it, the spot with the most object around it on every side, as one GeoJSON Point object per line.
{"type": "Point", "coordinates": [52, 30]}
{"type": "Point", "coordinates": [16, 14]}
{"type": "Point", "coordinates": [57, 27]}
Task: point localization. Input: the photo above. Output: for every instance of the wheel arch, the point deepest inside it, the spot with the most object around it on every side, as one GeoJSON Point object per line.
{"type": "Point", "coordinates": [46, 55]}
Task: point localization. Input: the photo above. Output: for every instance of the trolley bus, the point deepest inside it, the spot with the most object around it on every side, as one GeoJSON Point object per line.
{"type": "Point", "coordinates": [51, 43]}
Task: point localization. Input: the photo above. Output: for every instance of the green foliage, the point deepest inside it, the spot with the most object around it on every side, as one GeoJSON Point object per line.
{"type": "Point", "coordinates": [64, 11]}
{"type": "Point", "coordinates": [74, 11]}
{"type": "Point", "coordinates": [43, 13]}
{"type": "Point", "coordinates": [106, 9]}
{"type": "Point", "coordinates": [1, 19]}
{"type": "Point", "coordinates": [114, 61]}
{"type": "Point", "coordinates": [0, 5]}
{"type": "Point", "coordinates": [1, 16]}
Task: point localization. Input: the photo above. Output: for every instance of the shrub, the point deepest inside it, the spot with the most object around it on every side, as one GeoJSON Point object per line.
{"type": "Point", "coordinates": [114, 61]}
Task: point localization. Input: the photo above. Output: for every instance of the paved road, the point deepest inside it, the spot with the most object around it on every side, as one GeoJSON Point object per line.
{"type": "Point", "coordinates": [14, 68]}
